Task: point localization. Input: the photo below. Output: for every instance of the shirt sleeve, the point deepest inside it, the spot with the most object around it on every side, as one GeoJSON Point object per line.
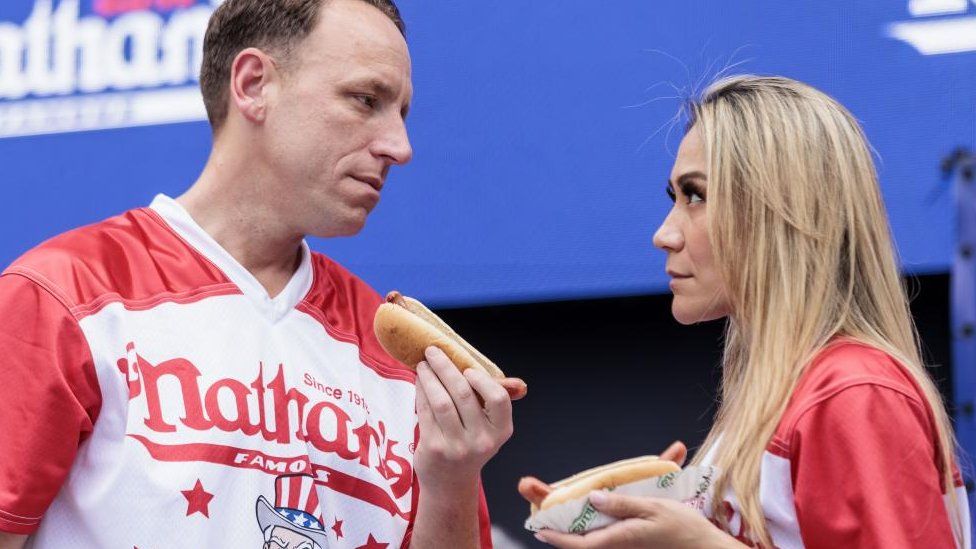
{"type": "Point", "coordinates": [49, 399]}
{"type": "Point", "coordinates": [865, 472]}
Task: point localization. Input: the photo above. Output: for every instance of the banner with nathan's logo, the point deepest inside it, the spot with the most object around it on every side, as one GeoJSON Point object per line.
{"type": "Point", "coordinates": [543, 130]}
{"type": "Point", "coordinates": [80, 65]}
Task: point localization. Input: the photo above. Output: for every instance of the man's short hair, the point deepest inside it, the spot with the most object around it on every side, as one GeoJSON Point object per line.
{"type": "Point", "coordinates": [275, 26]}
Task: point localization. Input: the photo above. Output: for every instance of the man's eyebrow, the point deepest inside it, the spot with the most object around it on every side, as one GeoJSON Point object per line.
{"type": "Point", "coordinates": [374, 84]}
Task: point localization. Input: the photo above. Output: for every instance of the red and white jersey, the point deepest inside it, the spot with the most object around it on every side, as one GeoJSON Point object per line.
{"type": "Point", "coordinates": [153, 395]}
{"type": "Point", "coordinates": [854, 462]}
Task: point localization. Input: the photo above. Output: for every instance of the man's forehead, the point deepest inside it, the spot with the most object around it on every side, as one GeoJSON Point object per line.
{"type": "Point", "coordinates": [358, 45]}
{"type": "Point", "coordinates": [356, 26]}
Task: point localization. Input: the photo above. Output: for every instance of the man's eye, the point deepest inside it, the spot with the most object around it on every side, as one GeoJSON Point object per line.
{"type": "Point", "coordinates": [368, 100]}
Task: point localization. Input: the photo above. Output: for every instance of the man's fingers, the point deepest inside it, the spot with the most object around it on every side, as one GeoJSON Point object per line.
{"type": "Point", "coordinates": [440, 402]}
{"type": "Point", "coordinates": [497, 403]}
{"type": "Point", "coordinates": [425, 416]}
{"type": "Point", "coordinates": [533, 490]}
{"type": "Point", "coordinates": [517, 389]}
{"type": "Point", "coordinates": [677, 452]}
{"type": "Point", "coordinates": [464, 397]}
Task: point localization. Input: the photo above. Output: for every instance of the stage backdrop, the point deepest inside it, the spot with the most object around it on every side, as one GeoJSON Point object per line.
{"type": "Point", "coordinates": [541, 128]}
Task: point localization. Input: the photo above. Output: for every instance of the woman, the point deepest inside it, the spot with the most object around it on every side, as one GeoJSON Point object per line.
{"type": "Point", "coordinates": [829, 431]}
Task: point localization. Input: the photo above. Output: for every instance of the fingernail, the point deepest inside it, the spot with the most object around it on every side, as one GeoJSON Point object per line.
{"type": "Point", "coordinates": [422, 364]}
{"type": "Point", "coordinates": [598, 498]}
{"type": "Point", "coordinates": [540, 537]}
{"type": "Point", "coordinates": [432, 351]}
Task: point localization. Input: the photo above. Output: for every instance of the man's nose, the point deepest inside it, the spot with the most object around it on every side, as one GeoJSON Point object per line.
{"type": "Point", "coordinates": [394, 143]}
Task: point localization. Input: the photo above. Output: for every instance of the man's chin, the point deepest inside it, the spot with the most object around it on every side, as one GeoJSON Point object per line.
{"type": "Point", "coordinates": [348, 227]}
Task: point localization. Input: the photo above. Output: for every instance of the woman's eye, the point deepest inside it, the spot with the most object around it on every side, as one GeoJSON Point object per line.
{"type": "Point", "coordinates": [692, 194]}
{"type": "Point", "coordinates": [671, 195]}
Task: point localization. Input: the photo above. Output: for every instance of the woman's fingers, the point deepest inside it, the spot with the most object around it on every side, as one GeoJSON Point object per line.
{"type": "Point", "coordinates": [677, 452]}
{"type": "Point", "coordinates": [533, 490]}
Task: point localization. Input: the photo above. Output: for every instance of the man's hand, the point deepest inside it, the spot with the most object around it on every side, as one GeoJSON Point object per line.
{"type": "Point", "coordinates": [12, 541]}
{"type": "Point", "coordinates": [458, 434]}
{"type": "Point", "coordinates": [464, 420]}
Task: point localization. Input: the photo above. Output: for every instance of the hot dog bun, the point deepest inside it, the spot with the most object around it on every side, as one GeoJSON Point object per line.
{"type": "Point", "coordinates": [405, 328]}
{"type": "Point", "coordinates": [600, 478]}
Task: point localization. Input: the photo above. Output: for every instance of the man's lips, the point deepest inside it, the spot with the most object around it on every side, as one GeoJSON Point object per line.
{"type": "Point", "coordinates": [372, 181]}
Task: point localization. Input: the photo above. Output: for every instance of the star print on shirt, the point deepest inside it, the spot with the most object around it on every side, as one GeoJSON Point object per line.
{"type": "Point", "coordinates": [197, 500]}
{"type": "Point", "coordinates": [371, 543]}
{"type": "Point", "coordinates": [337, 528]}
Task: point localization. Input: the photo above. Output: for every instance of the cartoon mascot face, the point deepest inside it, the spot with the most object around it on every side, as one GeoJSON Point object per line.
{"type": "Point", "coordinates": [294, 522]}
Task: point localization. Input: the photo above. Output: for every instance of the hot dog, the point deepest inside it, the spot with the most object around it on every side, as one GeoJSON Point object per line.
{"type": "Point", "coordinates": [599, 478]}
{"type": "Point", "coordinates": [406, 328]}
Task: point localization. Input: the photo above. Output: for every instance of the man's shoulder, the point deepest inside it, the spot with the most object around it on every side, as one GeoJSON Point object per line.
{"type": "Point", "coordinates": [330, 272]}
{"type": "Point", "coordinates": [133, 255]}
{"type": "Point", "coordinates": [345, 305]}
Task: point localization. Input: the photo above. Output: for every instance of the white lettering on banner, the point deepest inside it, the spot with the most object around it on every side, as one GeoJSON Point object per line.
{"type": "Point", "coordinates": [60, 72]}
{"type": "Point", "coordinates": [931, 35]}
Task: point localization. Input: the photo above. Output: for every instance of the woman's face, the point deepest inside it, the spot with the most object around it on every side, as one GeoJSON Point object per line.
{"type": "Point", "coordinates": [699, 293]}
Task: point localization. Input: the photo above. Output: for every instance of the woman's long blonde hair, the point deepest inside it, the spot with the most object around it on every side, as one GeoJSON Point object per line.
{"type": "Point", "coordinates": [799, 231]}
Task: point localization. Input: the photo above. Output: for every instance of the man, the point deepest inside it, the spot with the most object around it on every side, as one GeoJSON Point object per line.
{"type": "Point", "coordinates": [166, 369]}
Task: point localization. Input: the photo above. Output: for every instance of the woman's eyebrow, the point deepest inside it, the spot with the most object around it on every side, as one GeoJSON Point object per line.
{"type": "Point", "coordinates": [686, 177]}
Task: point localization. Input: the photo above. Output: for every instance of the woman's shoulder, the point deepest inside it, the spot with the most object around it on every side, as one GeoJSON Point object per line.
{"type": "Point", "coordinates": [846, 362]}
{"type": "Point", "coordinates": [855, 372]}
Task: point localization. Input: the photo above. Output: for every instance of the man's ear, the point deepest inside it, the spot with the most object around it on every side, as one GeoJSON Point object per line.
{"type": "Point", "coordinates": [250, 74]}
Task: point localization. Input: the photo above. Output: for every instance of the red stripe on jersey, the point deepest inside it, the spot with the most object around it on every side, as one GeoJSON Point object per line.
{"type": "Point", "coordinates": [294, 492]}
{"type": "Point", "coordinates": [312, 501]}
{"type": "Point", "coordinates": [344, 305]}
{"type": "Point", "coordinates": [134, 258]}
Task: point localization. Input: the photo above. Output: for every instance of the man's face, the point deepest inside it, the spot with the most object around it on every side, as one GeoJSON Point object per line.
{"type": "Point", "coordinates": [335, 123]}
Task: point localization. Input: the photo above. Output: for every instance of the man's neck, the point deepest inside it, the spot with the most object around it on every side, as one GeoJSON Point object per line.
{"type": "Point", "coordinates": [233, 208]}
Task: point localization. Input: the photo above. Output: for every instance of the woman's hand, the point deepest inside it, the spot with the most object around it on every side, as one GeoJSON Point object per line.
{"type": "Point", "coordinates": [534, 490]}
{"type": "Point", "coordinates": [646, 523]}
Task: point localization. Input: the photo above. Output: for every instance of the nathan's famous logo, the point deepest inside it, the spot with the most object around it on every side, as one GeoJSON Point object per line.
{"type": "Point", "coordinates": [273, 411]}
{"type": "Point", "coordinates": [938, 26]}
{"type": "Point", "coordinates": [127, 63]}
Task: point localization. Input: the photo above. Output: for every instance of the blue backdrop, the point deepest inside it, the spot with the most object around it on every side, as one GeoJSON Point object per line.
{"type": "Point", "coordinates": [539, 127]}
